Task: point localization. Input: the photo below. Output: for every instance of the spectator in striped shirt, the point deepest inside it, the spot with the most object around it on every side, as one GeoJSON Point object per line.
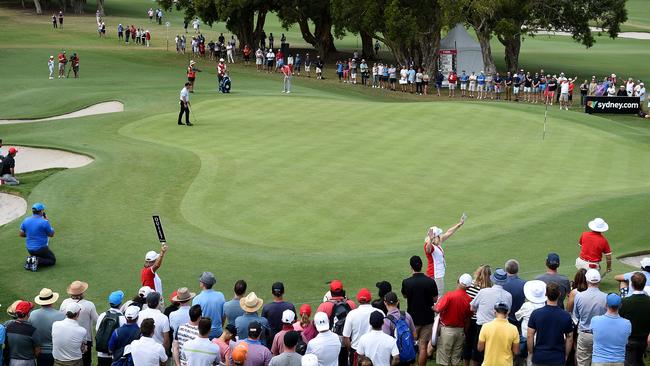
{"type": "Point", "coordinates": [185, 333]}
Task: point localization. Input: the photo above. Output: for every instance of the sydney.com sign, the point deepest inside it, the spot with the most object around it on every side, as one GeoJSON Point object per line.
{"type": "Point", "coordinates": [619, 105]}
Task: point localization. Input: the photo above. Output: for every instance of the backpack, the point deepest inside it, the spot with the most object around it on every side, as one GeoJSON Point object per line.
{"type": "Point", "coordinates": [340, 311]}
{"type": "Point", "coordinates": [106, 328]}
{"type": "Point", "coordinates": [405, 342]}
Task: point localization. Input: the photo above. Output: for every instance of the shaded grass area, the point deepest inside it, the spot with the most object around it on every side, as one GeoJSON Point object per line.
{"type": "Point", "coordinates": [28, 181]}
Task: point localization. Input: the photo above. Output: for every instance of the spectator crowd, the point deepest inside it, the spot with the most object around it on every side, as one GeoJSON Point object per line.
{"type": "Point", "coordinates": [490, 317]}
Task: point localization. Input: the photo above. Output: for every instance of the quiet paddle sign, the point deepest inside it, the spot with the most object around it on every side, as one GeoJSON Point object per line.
{"type": "Point", "coordinates": [159, 228]}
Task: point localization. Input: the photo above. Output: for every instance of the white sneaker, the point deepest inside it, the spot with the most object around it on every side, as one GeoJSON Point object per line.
{"type": "Point", "coordinates": [288, 91]}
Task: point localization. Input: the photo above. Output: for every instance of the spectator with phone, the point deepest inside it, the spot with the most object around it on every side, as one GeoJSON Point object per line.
{"type": "Point", "coordinates": [37, 232]}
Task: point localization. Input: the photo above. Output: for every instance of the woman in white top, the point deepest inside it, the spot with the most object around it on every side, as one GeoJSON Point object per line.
{"type": "Point", "coordinates": [435, 253]}
{"type": "Point", "coordinates": [403, 74]}
{"type": "Point", "coordinates": [611, 91]}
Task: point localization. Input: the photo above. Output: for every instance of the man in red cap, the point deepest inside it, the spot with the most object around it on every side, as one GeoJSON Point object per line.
{"type": "Point", "coordinates": [357, 323]}
{"type": "Point", "coordinates": [337, 307]}
{"type": "Point", "coordinates": [8, 164]}
{"type": "Point", "coordinates": [21, 339]}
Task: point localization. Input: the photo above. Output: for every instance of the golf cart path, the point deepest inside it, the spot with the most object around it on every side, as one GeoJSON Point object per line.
{"type": "Point", "coordinates": [29, 159]}
{"type": "Point", "coordinates": [628, 35]}
{"type": "Point", "coordinates": [99, 108]}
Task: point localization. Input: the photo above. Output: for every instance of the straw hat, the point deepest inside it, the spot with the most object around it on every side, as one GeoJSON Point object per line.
{"type": "Point", "coordinates": [46, 297]}
{"type": "Point", "coordinates": [183, 294]}
{"type": "Point", "coordinates": [77, 288]}
{"type": "Point", "coordinates": [251, 303]}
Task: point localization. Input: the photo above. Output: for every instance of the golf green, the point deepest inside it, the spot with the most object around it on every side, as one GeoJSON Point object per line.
{"type": "Point", "coordinates": [331, 181]}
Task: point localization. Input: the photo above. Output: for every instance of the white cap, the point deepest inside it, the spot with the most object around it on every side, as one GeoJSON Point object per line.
{"type": "Point", "coordinates": [132, 312]}
{"type": "Point", "coordinates": [288, 316]}
{"type": "Point", "coordinates": [151, 256]}
{"type": "Point", "coordinates": [144, 291]}
{"type": "Point", "coordinates": [593, 276]}
{"type": "Point", "coordinates": [598, 225]}
{"type": "Point", "coordinates": [73, 308]}
{"type": "Point", "coordinates": [321, 322]}
{"type": "Point", "coordinates": [465, 279]}
{"type": "Point", "coordinates": [434, 231]}
{"type": "Point", "coordinates": [309, 359]}
{"type": "Point", "coordinates": [645, 262]}
{"type": "Point", "coordinates": [221, 60]}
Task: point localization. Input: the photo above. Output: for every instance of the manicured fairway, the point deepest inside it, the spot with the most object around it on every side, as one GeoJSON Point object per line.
{"type": "Point", "coordinates": [328, 182]}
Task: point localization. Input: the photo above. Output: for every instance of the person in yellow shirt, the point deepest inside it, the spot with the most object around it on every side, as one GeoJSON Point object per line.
{"type": "Point", "coordinates": [499, 339]}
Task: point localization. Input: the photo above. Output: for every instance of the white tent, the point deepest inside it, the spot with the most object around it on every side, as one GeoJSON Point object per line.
{"type": "Point", "coordinates": [468, 51]}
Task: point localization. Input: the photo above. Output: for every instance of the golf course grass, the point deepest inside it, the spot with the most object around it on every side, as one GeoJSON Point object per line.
{"type": "Point", "coordinates": [331, 181]}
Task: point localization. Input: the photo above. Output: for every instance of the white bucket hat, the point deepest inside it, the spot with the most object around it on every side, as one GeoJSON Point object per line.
{"type": "Point", "coordinates": [535, 291]}
{"type": "Point", "coordinates": [598, 225]}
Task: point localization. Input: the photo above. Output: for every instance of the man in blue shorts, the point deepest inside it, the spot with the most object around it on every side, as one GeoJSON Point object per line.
{"type": "Point", "coordinates": [37, 232]}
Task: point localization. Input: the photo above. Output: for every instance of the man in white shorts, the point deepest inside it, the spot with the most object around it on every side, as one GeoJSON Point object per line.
{"type": "Point", "coordinates": [564, 95]}
{"type": "Point", "coordinates": [472, 84]}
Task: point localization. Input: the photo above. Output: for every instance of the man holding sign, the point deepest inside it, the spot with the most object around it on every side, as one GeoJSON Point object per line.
{"type": "Point", "coordinates": [149, 273]}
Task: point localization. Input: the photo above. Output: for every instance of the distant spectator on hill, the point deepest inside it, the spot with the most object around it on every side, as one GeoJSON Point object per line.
{"type": "Point", "coordinates": [274, 311]}
{"type": "Point", "coordinates": [551, 275]}
{"type": "Point", "coordinates": [320, 65]}
{"type": "Point", "coordinates": [211, 302]}
{"type": "Point", "coordinates": [593, 245]}
{"type": "Point", "coordinates": [50, 67]}
{"type": "Point", "coordinates": [636, 308]}
{"type": "Point", "coordinates": [60, 19]}
{"type": "Point", "coordinates": [149, 273]}
{"type": "Point", "coordinates": [435, 254]}
{"type": "Point", "coordinates": [37, 232]}
{"type": "Point", "coordinates": [231, 309]}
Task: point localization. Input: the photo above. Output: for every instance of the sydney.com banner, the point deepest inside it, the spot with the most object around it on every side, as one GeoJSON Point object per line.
{"type": "Point", "coordinates": [619, 105]}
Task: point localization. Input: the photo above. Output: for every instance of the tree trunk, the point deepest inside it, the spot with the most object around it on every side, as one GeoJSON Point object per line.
{"type": "Point", "coordinates": [429, 43]}
{"type": "Point", "coordinates": [367, 50]}
{"type": "Point", "coordinates": [512, 48]}
{"type": "Point", "coordinates": [37, 5]}
{"type": "Point", "coordinates": [484, 36]}
{"type": "Point", "coordinates": [322, 38]}
{"type": "Point", "coordinates": [79, 6]}
{"type": "Point", "coordinates": [259, 27]}
{"type": "Point", "coordinates": [100, 7]}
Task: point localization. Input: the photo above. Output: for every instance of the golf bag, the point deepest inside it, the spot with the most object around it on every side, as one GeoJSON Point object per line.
{"type": "Point", "coordinates": [224, 85]}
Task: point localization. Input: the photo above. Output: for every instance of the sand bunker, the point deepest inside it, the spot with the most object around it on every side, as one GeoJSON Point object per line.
{"type": "Point", "coordinates": [99, 108]}
{"type": "Point", "coordinates": [29, 159]}
{"type": "Point", "coordinates": [634, 261]}
{"type": "Point", "coordinates": [11, 207]}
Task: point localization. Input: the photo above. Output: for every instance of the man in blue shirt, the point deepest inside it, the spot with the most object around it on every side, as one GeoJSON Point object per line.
{"type": "Point", "coordinates": [464, 78]}
{"type": "Point", "coordinates": [610, 334]}
{"type": "Point", "coordinates": [211, 303]}
{"type": "Point", "coordinates": [37, 230]}
{"type": "Point", "coordinates": [515, 286]}
{"type": "Point", "coordinates": [480, 80]}
{"type": "Point", "coordinates": [624, 279]}
{"type": "Point", "coordinates": [551, 328]}
{"type": "Point", "coordinates": [251, 304]}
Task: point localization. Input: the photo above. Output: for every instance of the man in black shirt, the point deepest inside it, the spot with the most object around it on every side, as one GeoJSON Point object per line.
{"type": "Point", "coordinates": [421, 293]}
{"type": "Point", "coordinates": [508, 82]}
{"type": "Point", "coordinates": [635, 309]}
{"type": "Point", "coordinates": [8, 164]}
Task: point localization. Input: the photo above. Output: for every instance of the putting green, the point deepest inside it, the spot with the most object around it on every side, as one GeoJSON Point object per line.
{"type": "Point", "coordinates": [332, 181]}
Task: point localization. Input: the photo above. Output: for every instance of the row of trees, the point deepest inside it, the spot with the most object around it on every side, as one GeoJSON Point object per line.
{"type": "Point", "coordinates": [77, 6]}
{"type": "Point", "coordinates": [412, 29]}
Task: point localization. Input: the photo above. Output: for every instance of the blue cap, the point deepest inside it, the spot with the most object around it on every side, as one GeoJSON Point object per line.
{"type": "Point", "coordinates": [553, 258]}
{"type": "Point", "coordinates": [38, 206]}
{"type": "Point", "coordinates": [614, 301]}
{"type": "Point", "coordinates": [115, 298]}
{"type": "Point", "coordinates": [499, 277]}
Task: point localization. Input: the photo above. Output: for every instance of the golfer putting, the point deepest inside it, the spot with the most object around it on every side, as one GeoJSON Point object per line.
{"type": "Point", "coordinates": [185, 105]}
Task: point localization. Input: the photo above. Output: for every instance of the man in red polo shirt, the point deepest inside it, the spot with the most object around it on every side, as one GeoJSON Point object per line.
{"type": "Point", "coordinates": [148, 274]}
{"type": "Point", "coordinates": [338, 304]}
{"type": "Point", "coordinates": [593, 245]}
{"type": "Point", "coordinates": [454, 313]}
